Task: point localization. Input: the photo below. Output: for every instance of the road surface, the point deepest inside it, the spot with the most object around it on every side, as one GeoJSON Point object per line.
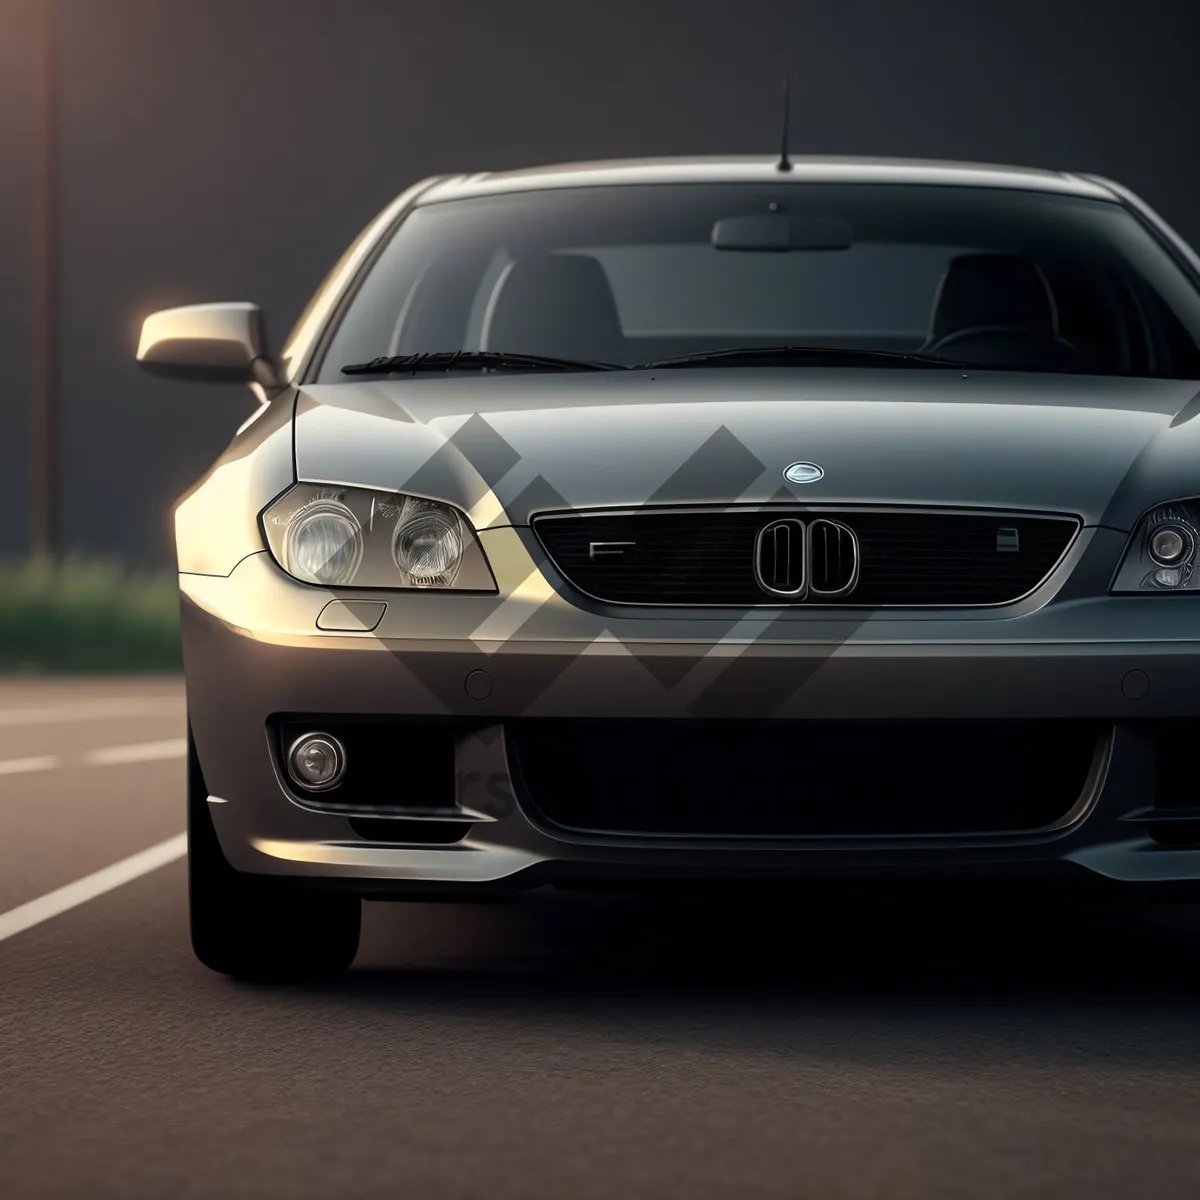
{"type": "Point", "coordinates": [565, 1047]}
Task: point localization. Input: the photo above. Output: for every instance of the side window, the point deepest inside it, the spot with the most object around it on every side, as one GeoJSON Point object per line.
{"type": "Point", "coordinates": [1175, 351]}
{"type": "Point", "coordinates": [1143, 352]}
{"type": "Point", "coordinates": [434, 312]}
{"type": "Point", "coordinates": [480, 319]}
{"type": "Point", "coordinates": [396, 341]}
{"type": "Point", "coordinates": [410, 331]}
{"type": "Point", "coordinates": [1093, 314]}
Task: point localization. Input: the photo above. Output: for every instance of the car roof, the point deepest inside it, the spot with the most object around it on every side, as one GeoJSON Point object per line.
{"type": "Point", "coordinates": [762, 169]}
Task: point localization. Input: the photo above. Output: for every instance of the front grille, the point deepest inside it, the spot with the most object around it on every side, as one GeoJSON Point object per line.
{"type": "Point", "coordinates": [801, 778]}
{"type": "Point", "coordinates": [779, 558]}
{"type": "Point", "coordinates": [709, 557]}
{"type": "Point", "coordinates": [833, 558]}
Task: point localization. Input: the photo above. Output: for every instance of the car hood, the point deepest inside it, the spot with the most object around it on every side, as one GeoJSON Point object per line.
{"type": "Point", "coordinates": [503, 447]}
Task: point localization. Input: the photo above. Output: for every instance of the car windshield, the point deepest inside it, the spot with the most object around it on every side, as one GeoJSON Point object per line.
{"type": "Point", "coordinates": [993, 278]}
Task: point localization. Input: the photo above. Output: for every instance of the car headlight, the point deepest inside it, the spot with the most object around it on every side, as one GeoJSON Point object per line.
{"type": "Point", "coordinates": [427, 543]}
{"type": "Point", "coordinates": [357, 537]}
{"type": "Point", "coordinates": [1161, 556]}
{"type": "Point", "coordinates": [323, 543]}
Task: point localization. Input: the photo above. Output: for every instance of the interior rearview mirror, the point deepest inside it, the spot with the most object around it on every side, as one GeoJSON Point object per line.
{"type": "Point", "coordinates": [782, 232]}
{"type": "Point", "coordinates": [215, 343]}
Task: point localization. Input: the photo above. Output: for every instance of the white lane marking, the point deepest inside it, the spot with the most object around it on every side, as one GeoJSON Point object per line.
{"type": "Point", "coordinates": [88, 710]}
{"type": "Point", "coordinates": [16, 920]}
{"type": "Point", "coordinates": [142, 752]}
{"type": "Point", "coordinates": [19, 766]}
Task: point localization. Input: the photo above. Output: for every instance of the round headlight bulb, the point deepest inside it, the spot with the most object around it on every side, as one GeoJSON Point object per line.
{"type": "Point", "coordinates": [1168, 545]}
{"type": "Point", "coordinates": [323, 544]}
{"type": "Point", "coordinates": [317, 762]}
{"type": "Point", "coordinates": [428, 543]}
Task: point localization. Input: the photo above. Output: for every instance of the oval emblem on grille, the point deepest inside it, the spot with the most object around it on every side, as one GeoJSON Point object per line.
{"type": "Point", "coordinates": [803, 473]}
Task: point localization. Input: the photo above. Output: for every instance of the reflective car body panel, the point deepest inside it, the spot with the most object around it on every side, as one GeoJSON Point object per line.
{"type": "Point", "coordinates": [750, 168]}
{"type": "Point", "coordinates": [504, 448]}
{"type": "Point", "coordinates": [216, 522]}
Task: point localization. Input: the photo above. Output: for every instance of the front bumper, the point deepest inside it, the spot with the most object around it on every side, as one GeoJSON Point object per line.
{"type": "Point", "coordinates": [253, 651]}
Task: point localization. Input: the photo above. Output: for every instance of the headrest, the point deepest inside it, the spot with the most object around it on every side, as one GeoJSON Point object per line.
{"type": "Point", "coordinates": [559, 305]}
{"type": "Point", "coordinates": [993, 290]}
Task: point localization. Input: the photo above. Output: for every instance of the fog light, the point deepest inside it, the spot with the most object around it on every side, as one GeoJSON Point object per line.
{"type": "Point", "coordinates": [317, 762]}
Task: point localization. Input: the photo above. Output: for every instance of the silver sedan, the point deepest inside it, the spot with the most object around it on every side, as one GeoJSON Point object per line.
{"type": "Point", "coordinates": [696, 521]}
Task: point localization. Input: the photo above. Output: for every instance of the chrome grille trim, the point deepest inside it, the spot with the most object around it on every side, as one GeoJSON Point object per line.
{"type": "Point", "coordinates": [830, 511]}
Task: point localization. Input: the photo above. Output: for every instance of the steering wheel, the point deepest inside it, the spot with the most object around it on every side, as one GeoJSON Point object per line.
{"type": "Point", "coordinates": [985, 332]}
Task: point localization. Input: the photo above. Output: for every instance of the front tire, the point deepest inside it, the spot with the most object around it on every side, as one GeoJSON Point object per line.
{"type": "Point", "coordinates": [259, 928]}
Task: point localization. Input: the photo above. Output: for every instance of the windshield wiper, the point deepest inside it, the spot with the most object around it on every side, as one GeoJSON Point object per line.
{"type": "Point", "coordinates": [782, 354]}
{"type": "Point", "coordinates": [467, 360]}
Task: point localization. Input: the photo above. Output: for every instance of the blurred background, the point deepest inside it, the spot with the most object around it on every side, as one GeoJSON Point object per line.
{"type": "Point", "coordinates": [230, 149]}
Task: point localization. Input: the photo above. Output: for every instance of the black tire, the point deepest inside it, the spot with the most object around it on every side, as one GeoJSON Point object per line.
{"type": "Point", "coordinates": [260, 928]}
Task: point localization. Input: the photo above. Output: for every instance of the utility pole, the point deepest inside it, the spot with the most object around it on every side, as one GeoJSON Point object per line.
{"type": "Point", "coordinates": [44, 425]}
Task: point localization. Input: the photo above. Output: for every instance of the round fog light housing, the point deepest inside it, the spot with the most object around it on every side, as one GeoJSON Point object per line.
{"type": "Point", "coordinates": [316, 762]}
{"type": "Point", "coordinates": [1168, 545]}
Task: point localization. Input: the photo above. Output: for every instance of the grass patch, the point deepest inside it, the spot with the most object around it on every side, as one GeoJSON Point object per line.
{"type": "Point", "coordinates": [87, 615]}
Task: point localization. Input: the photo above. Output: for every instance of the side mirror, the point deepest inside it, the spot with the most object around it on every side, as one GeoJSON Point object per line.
{"type": "Point", "coordinates": [213, 343]}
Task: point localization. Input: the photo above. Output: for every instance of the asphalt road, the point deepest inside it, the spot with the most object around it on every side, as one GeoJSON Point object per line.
{"type": "Point", "coordinates": [564, 1046]}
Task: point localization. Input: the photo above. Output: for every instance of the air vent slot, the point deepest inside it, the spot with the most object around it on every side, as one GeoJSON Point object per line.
{"type": "Point", "coordinates": [779, 558]}
{"type": "Point", "coordinates": [806, 778]}
{"type": "Point", "coordinates": [391, 830]}
{"type": "Point", "coordinates": [833, 559]}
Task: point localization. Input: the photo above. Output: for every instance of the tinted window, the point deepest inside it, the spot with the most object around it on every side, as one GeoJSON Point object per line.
{"type": "Point", "coordinates": [692, 290]}
{"type": "Point", "coordinates": [990, 277]}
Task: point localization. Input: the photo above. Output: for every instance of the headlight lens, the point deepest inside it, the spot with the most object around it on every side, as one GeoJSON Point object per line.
{"type": "Point", "coordinates": [358, 537]}
{"type": "Point", "coordinates": [1168, 544]}
{"type": "Point", "coordinates": [427, 544]}
{"type": "Point", "coordinates": [323, 544]}
{"type": "Point", "coordinates": [1161, 556]}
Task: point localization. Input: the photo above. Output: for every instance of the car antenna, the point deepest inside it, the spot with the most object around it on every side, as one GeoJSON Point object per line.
{"type": "Point", "coordinates": [785, 163]}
